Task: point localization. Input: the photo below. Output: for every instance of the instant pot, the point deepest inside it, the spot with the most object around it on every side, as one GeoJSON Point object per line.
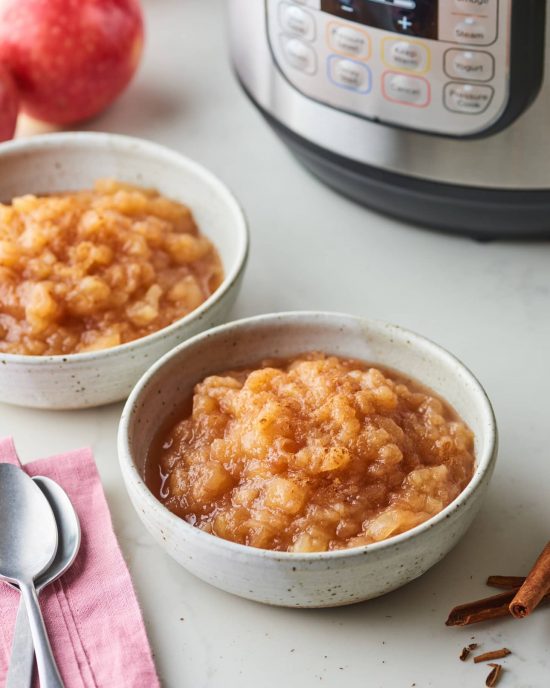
{"type": "Point", "coordinates": [433, 111]}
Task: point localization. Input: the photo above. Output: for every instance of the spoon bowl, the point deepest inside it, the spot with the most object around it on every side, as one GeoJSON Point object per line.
{"type": "Point", "coordinates": [68, 529]}
{"type": "Point", "coordinates": [28, 544]}
{"type": "Point", "coordinates": [22, 653]}
{"type": "Point", "coordinates": [28, 537]}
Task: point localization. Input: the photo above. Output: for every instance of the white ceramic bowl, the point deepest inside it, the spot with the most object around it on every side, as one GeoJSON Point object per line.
{"type": "Point", "coordinates": [318, 579]}
{"type": "Point", "coordinates": [72, 161]}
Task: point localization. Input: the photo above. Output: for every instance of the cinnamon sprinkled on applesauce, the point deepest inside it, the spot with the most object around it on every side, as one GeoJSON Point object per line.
{"type": "Point", "coordinates": [311, 454]}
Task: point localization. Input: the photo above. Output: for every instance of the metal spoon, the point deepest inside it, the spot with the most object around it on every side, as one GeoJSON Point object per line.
{"type": "Point", "coordinates": [68, 528]}
{"type": "Point", "coordinates": [28, 543]}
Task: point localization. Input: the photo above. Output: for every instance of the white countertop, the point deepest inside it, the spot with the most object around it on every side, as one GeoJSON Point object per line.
{"type": "Point", "coordinates": [311, 249]}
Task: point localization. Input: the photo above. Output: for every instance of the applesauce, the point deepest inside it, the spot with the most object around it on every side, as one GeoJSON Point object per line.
{"type": "Point", "coordinates": [97, 268]}
{"type": "Point", "coordinates": [311, 454]}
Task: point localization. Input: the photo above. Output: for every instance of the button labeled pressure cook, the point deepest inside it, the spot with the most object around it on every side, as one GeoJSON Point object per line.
{"type": "Point", "coordinates": [407, 90]}
{"type": "Point", "coordinates": [345, 40]}
{"type": "Point", "coordinates": [297, 21]}
{"type": "Point", "coordinates": [468, 99]}
{"type": "Point", "coordinates": [299, 55]}
{"type": "Point", "coordinates": [473, 65]}
{"type": "Point", "coordinates": [409, 56]}
{"type": "Point", "coordinates": [350, 74]}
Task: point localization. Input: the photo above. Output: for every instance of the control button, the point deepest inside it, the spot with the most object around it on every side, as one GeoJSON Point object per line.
{"type": "Point", "coordinates": [471, 30]}
{"type": "Point", "coordinates": [470, 99]}
{"type": "Point", "coordinates": [475, 6]}
{"type": "Point", "coordinates": [473, 65]}
{"type": "Point", "coordinates": [295, 20]}
{"type": "Point", "coordinates": [407, 90]}
{"type": "Point", "coordinates": [299, 55]}
{"type": "Point", "coordinates": [353, 42]}
{"type": "Point", "coordinates": [405, 23]}
{"type": "Point", "coordinates": [350, 74]}
{"type": "Point", "coordinates": [408, 56]}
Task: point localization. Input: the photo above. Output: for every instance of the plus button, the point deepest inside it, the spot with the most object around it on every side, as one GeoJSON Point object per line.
{"type": "Point", "coordinates": [405, 23]}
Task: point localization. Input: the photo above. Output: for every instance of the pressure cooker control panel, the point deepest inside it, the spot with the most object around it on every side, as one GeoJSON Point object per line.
{"type": "Point", "coordinates": [439, 66]}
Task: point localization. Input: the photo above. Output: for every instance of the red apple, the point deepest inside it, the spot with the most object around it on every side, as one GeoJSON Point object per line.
{"type": "Point", "coordinates": [70, 58]}
{"type": "Point", "coordinates": [9, 105]}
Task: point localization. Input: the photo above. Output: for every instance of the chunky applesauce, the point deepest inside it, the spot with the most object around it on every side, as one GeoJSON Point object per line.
{"type": "Point", "coordinates": [97, 268]}
{"type": "Point", "coordinates": [311, 454]}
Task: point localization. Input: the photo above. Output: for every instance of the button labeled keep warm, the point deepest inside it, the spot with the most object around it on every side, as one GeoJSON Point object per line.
{"type": "Point", "coordinates": [409, 56]}
{"type": "Point", "coordinates": [349, 74]}
{"type": "Point", "coordinates": [405, 89]}
{"type": "Point", "coordinates": [468, 99]}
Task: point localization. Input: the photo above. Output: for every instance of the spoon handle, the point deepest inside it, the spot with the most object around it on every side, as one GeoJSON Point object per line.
{"type": "Point", "coordinates": [22, 652]}
{"type": "Point", "coordinates": [47, 668]}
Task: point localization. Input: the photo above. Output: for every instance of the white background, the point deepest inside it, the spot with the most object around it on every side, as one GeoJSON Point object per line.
{"type": "Point", "coordinates": [311, 249]}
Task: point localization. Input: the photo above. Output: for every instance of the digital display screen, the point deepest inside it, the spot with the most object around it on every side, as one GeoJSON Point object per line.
{"type": "Point", "coordinates": [408, 17]}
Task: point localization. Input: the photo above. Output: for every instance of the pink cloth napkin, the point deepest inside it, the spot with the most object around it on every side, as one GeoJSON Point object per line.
{"type": "Point", "coordinates": [92, 614]}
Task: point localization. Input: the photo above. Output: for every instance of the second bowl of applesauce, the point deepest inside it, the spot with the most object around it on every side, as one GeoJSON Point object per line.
{"type": "Point", "coordinates": [307, 459]}
{"type": "Point", "coordinates": [112, 251]}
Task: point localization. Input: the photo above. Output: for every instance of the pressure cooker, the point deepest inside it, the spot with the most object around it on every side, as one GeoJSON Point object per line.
{"type": "Point", "coordinates": [433, 111]}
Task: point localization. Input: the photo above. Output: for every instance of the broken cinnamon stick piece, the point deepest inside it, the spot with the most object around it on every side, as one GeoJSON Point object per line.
{"type": "Point", "coordinates": [464, 654]}
{"type": "Point", "coordinates": [495, 654]}
{"type": "Point", "coordinates": [506, 582]}
{"type": "Point", "coordinates": [486, 609]}
{"type": "Point", "coordinates": [494, 676]}
{"type": "Point", "coordinates": [536, 586]}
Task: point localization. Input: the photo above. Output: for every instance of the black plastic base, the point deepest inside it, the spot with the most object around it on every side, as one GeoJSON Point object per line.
{"type": "Point", "coordinates": [475, 212]}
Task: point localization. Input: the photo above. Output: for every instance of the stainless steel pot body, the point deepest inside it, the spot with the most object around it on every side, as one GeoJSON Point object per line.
{"type": "Point", "coordinates": [518, 157]}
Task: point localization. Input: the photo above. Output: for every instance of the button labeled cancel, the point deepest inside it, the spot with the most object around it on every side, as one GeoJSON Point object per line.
{"type": "Point", "coordinates": [406, 90]}
{"type": "Point", "coordinates": [468, 99]}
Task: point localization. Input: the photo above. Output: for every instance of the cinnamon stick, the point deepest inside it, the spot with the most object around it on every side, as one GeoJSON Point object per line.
{"type": "Point", "coordinates": [494, 676]}
{"type": "Point", "coordinates": [506, 582]}
{"type": "Point", "coordinates": [535, 587]}
{"type": "Point", "coordinates": [495, 654]}
{"type": "Point", "coordinates": [486, 609]}
{"type": "Point", "coordinates": [481, 610]}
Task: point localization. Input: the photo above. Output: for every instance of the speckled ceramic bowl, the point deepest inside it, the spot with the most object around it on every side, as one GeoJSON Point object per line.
{"type": "Point", "coordinates": [289, 579]}
{"type": "Point", "coordinates": [72, 161]}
